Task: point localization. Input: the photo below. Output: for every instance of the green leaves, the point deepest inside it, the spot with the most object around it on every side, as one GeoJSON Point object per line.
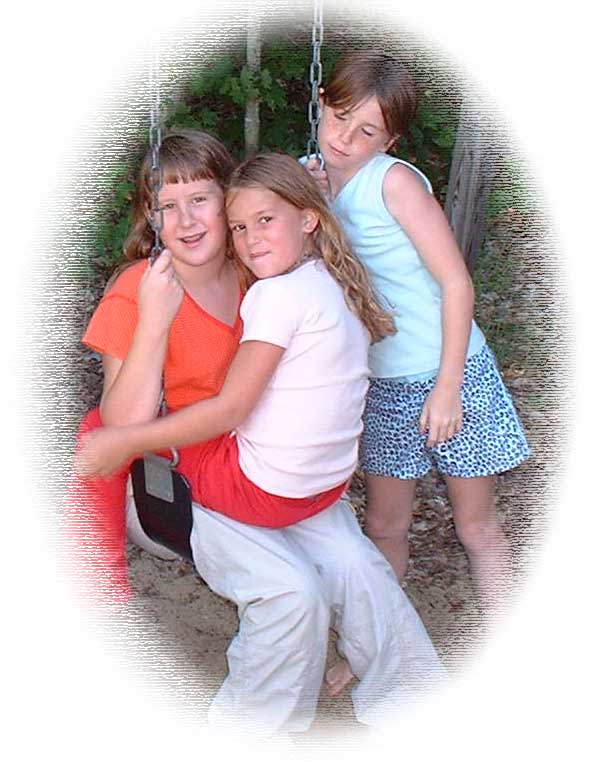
{"type": "Point", "coordinates": [232, 89]}
{"type": "Point", "coordinates": [215, 99]}
{"type": "Point", "coordinates": [431, 140]}
{"type": "Point", "coordinates": [511, 191]}
{"type": "Point", "coordinates": [108, 238]}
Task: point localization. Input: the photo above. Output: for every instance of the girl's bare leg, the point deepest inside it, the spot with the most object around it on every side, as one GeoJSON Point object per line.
{"type": "Point", "coordinates": [484, 541]}
{"type": "Point", "coordinates": [389, 514]}
{"type": "Point", "coordinates": [388, 517]}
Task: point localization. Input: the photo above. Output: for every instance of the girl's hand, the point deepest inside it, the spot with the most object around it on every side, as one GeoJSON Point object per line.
{"type": "Point", "coordinates": [102, 452]}
{"type": "Point", "coordinates": [441, 415]}
{"type": "Point", "coordinates": [313, 167]}
{"type": "Point", "coordinates": [160, 294]}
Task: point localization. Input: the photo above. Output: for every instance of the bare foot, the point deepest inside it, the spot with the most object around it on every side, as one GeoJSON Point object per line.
{"type": "Point", "coordinates": [338, 676]}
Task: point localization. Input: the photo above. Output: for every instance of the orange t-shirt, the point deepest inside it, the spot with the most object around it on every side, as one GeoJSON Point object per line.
{"type": "Point", "coordinates": [200, 350]}
{"type": "Point", "coordinates": [200, 347]}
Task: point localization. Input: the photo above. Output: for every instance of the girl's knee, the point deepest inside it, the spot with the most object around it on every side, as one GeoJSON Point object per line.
{"type": "Point", "coordinates": [478, 532]}
{"type": "Point", "coordinates": [383, 525]}
{"type": "Point", "coordinates": [358, 567]}
{"type": "Point", "coordinates": [289, 613]}
{"type": "Point", "coordinates": [348, 556]}
{"type": "Point", "coordinates": [302, 616]}
{"type": "Point", "coordinates": [300, 597]}
{"type": "Point", "coordinates": [389, 509]}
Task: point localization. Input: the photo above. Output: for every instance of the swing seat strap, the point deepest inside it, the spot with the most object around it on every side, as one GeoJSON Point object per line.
{"type": "Point", "coordinates": [162, 498]}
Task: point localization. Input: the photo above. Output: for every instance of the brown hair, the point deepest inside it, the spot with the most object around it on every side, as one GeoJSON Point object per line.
{"type": "Point", "coordinates": [185, 156]}
{"type": "Point", "coordinates": [359, 75]}
{"type": "Point", "coordinates": [284, 176]}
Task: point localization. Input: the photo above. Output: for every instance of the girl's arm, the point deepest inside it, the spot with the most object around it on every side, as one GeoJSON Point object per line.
{"type": "Point", "coordinates": [254, 364]}
{"type": "Point", "coordinates": [131, 388]}
{"type": "Point", "coordinates": [424, 222]}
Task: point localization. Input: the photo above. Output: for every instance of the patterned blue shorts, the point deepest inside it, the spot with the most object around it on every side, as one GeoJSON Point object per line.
{"type": "Point", "coordinates": [491, 439]}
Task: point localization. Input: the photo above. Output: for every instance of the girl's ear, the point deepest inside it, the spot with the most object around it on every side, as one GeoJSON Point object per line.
{"type": "Point", "coordinates": [310, 220]}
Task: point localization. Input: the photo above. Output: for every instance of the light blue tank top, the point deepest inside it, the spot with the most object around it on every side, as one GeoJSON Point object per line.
{"type": "Point", "coordinates": [398, 275]}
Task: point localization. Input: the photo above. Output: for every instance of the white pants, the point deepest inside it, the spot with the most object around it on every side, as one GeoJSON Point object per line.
{"type": "Point", "coordinates": [290, 585]}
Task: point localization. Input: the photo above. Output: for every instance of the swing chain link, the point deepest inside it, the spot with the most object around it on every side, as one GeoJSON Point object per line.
{"type": "Point", "coordinates": [157, 216]}
{"type": "Point", "coordinates": [315, 75]}
{"type": "Point", "coordinates": [155, 143]}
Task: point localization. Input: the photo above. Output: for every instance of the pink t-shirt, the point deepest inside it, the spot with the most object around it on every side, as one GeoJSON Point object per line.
{"type": "Point", "coordinates": [302, 436]}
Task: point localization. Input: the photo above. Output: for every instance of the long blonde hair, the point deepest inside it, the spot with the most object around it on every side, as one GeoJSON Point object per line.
{"type": "Point", "coordinates": [285, 177]}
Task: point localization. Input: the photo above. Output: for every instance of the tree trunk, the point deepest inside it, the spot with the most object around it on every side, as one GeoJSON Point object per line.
{"type": "Point", "coordinates": [470, 181]}
{"type": "Point", "coordinates": [253, 49]}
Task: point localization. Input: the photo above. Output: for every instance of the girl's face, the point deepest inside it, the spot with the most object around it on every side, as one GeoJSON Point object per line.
{"type": "Point", "coordinates": [349, 139]}
{"type": "Point", "coordinates": [194, 224]}
{"type": "Point", "coordinates": [270, 235]}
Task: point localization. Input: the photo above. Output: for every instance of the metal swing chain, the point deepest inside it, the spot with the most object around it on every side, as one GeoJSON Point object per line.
{"type": "Point", "coordinates": [155, 143]}
{"type": "Point", "coordinates": [157, 216]}
{"type": "Point", "coordinates": [315, 74]}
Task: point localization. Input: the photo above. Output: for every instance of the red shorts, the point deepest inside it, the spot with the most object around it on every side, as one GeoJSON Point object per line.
{"type": "Point", "coordinates": [217, 482]}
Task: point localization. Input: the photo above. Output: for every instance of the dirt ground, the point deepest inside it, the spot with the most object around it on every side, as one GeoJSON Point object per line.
{"type": "Point", "coordinates": [190, 627]}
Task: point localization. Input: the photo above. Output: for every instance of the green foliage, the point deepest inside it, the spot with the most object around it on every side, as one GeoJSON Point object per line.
{"type": "Point", "coordinates": [431, 141]}
{"type": "Point", "coordinates": [496, 280]}
{"type": "Point", "coordinates": [510, 190]}
{"type": "Point", "coordinates": [215, 101]}
{"type": "Point", "coordinates": [111, 228]}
